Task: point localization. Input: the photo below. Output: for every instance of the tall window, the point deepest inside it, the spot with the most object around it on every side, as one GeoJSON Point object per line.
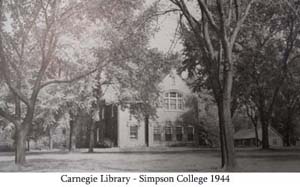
{"type": "Point", "coordinates": [173, 101]}
{"type": "Point", "coordinates": [190, 133]}
{"type": "Point", "coordinates": [168, 133]}
{"type": "Point", "coordinates": [179, 133]}
{"type": "Point", "coordinates": [156, 134]}
{"type": "Point", "coordinates": [98, 135]}
{"type": "Point", "coordinates": [134, 132]}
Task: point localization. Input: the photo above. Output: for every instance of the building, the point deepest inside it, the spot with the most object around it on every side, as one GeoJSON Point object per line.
{"type": "Point", "coordinates": [247, 138]}
{"type": "Point", "coordinates": [119, 127]}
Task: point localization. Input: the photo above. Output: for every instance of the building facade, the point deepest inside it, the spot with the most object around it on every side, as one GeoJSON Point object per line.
{"type": "Point", "coordinates": [121, 128]}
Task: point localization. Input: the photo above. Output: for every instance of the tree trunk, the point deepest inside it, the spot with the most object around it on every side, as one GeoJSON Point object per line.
{"type": "Point", "coordinates": [28, 144]}
{"type": "Point", "coordinates": [256, 135]}
{"type": "Point", "coordinates": [226, 137]}
{"type": "Point", "coordinates": [50, 139]}
{"type": "Point", "coordinates": [21, 137]}
{"type": "Point", "coordinates": [72, 137]}
{"type": "Point", "coordinates": [265, 134]}
{"type": "Point", "coordinates": [288, 129]}
{"type": "Point", "coordinates": [229, 156]}
{"type": "Point", "coordinates": [227, 130]}
{"type": "Point", "coordinates": [20, 146]}
{"type": "Point", "coordinates": [92, 137]}
{"type": "Point", "coordinates": [288, 142]}
{"type": "Point", "coordinates": [288, 134]}
{"type": "Point", "coordinates": [221, 130]}
{"type": "Point", "coordinates": [147, 130]}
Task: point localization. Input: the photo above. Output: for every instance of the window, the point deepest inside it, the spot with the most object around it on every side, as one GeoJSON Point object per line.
{"type": "Point", "coordinates": [98, 134]}
{"type": "Point", "coordinates": [179, 133]}
{"type": "Point", "coordinates": [134, 132]}
{"type": "Point", "coordinates": [64, 131]}
{"type": "Point", "coordinates": [190, 133]}
{"type": "Point", "coordinates": [173, 101]}
{"type": "Point", "coordinates": [168, 133]}
{"type": "Point", "coordinates": [102, 113]}
{"type": "Point", "coordinates": [156, 134]}
{"type": "Point", "coordinates": [112, 111]}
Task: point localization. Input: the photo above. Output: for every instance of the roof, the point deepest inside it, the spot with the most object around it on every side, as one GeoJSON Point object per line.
{"type": "Point", "coordinates": [113, 93]}
{"type": "Point", "coordinates": [250, 133]}
{"type": "Point", "coordinates": [246, 134]}
{"type": "Point", "coordinates": [173, 81]}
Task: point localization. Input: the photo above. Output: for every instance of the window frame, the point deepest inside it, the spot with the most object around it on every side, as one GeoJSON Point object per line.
{"type": "Point", "coordinates": [156, 133]}
{"type": "Point", "coordinates": [168, 136]}
{"type": "Point", "coordinates": [179, 136]}
{"type": "Point", "coordinates": [169, 98]}
{"type": "Point", "coordinates": [133, 136]}
{"type": "Point", "coordinates": [188, 134]}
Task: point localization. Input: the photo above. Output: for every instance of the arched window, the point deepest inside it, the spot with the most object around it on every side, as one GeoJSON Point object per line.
{"type": "Point", "coordinates": [173, 101]}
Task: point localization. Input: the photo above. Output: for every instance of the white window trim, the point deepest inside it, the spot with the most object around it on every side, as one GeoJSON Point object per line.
{"type": "Point", "coordinates": [112, 111]}
{"type": "Point", "coordinates": [181, 129]}
{"type": "Point", "coordinates": [192, 127]}
{"type": "Point", "coordinates": [179, 134]}
{"type": "Point", "coordinates": [103, 113]}
{"type": "Point", "coordinates": [160, 131]}
{"type": "Point", "coordinates": [169, 101]}
{"type": "Point", "coordinates": [98, 135]}
{"type": "Point", "coordinates": [137, 132]}
{"type": "Point", "coordinates": [192, 131]}
{"type": "Point", "coordinates": [168, 126]}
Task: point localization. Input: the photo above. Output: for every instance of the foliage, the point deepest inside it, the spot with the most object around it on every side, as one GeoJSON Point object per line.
{"type": "Point", "coordinates": [45, 44]}
{"type": "Point", "coordinates": [270, 46]}
{"type": "Point", "coordinates": [202, 114]}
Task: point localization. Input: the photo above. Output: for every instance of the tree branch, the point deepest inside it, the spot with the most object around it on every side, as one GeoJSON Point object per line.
{"type": "Point", "coordinates": [68, 80]}
{"type": "Point", "coordinates": [74, 79]}
{"type": "Point", "coordinates": [8, 116]}
{"type": "Point", "coordinates": [5, 71]}
{"type": "Point", "coordinates": [209, 15]}
{"type": "Point", "coordinates": [292, 7]}
{"type": "Point", "coordinates": [228, 21]}
{"type": "Point", "coordinates": [240, 23]}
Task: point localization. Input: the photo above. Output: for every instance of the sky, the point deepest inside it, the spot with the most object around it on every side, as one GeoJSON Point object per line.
{"type": "Point", "coordinates": [163, 39]}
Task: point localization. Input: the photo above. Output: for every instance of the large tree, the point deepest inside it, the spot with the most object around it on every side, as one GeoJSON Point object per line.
{"type": "Point", "coordinates": [269, 50]}
{"type": "Point", "coordinates": [41, 44]}
{"type": "Point", "coordinates": [210, 30]}
{"type": "Point", "coordinates": [29, 43]}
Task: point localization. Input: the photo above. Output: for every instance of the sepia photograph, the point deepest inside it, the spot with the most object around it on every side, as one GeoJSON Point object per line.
{"type": "Point", "coordinates": [149, 86]}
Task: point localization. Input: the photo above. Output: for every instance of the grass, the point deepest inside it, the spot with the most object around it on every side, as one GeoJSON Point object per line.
{"type": "Point", "coordinates": [192, 161]}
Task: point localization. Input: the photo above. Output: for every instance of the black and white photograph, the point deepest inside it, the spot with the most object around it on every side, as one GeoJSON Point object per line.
{"type": "Point", "coordinates": [149, 86]}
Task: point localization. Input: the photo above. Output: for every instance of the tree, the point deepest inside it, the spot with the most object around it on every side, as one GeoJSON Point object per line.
{"type": "Point", "coordinates": [287, 106]}
{"type": "Point", "coordinates": [269, 48]}
{"type": "Point", "coordinates": [136, 68]}
{"type": "Point", "coordinates": [203, 116]}
{"type": "Point", "coordinates": [210, 33]}
{"type": "Point", "coordinates": [151, 67]}
{"type": "Point", "coordinates": [37, 50]}
{"type": "Point", "coordinates": [23, 26]}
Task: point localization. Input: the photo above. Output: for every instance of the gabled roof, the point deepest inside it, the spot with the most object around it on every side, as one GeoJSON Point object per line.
{"type": "Point", "coordinates": [246, 134]}
{"type": "Point", "coordinates": [173, 81]}
{"type": "Point", "coordinates": [250, 133]}
{"type": "Point", "coordinates": [113, 93]}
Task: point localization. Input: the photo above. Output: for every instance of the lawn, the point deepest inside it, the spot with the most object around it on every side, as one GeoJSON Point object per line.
{"type": "Point", "coordinates": [182, 161]}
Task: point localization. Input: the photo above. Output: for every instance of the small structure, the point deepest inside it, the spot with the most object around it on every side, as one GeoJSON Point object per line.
{"type": "Point", "coordinates": [247, 138]}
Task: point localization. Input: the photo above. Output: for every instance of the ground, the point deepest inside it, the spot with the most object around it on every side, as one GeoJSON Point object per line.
{"type": "Point", "coordinates": [173, 160]}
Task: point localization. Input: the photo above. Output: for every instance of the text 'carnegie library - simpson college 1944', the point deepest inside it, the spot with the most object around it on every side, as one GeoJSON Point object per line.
{"type": "Point", "coordinates": [143, 178]}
